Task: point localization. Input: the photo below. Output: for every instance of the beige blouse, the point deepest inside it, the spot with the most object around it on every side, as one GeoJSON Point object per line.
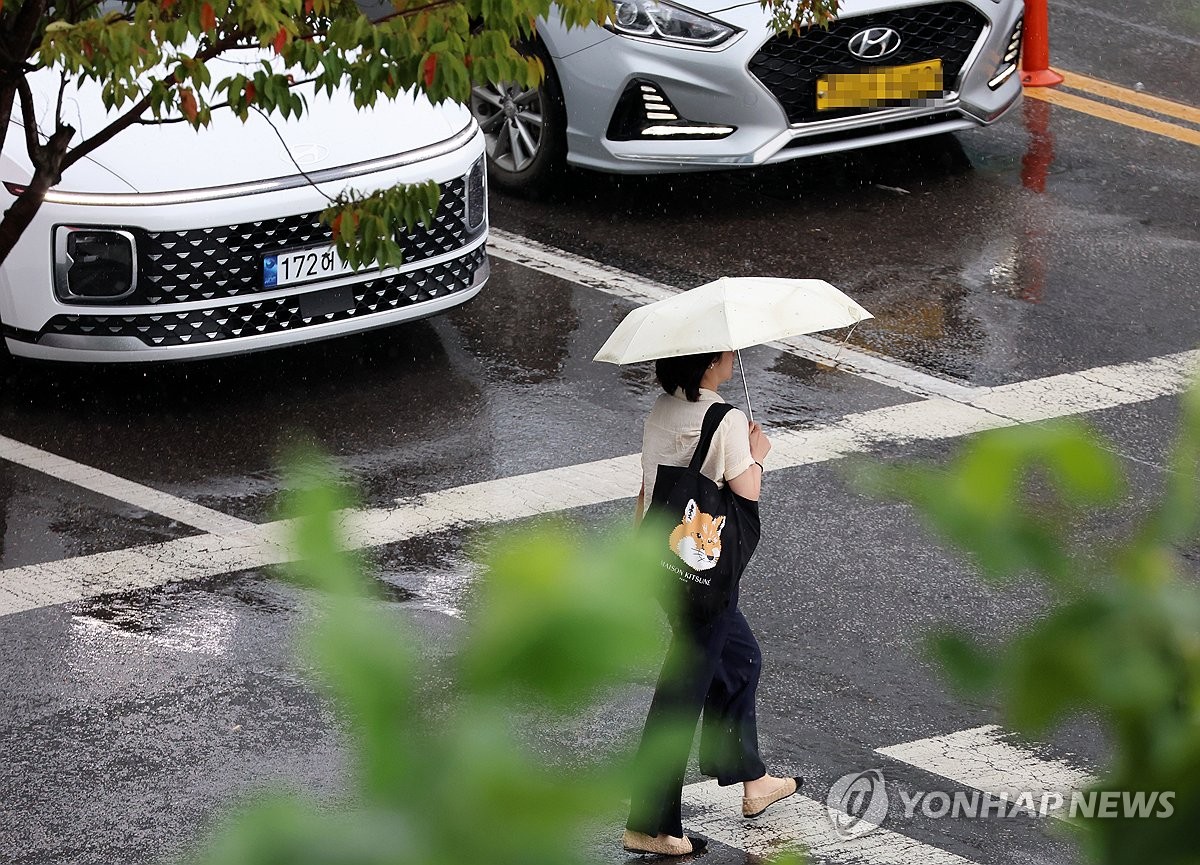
{"type": "Point", "coordinates": [673, 431]}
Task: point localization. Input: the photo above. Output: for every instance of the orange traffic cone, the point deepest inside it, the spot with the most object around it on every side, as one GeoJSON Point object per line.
{"type": "Point", "coordinates": [1035, 50]}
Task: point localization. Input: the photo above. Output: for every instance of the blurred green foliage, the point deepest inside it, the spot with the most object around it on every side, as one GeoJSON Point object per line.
{"type": "Point", "coordinates": [1121, 638]}
{"type": "Point", "coordinates": [455, 772]}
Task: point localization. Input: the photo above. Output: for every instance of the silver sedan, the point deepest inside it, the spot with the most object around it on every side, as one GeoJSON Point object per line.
{"type": "Point", "coordinates": [668, 88]}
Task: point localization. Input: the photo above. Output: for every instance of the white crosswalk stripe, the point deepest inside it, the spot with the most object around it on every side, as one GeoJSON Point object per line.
{"type": "Point", "coordinates": [800, 821]}
{"type": "Point", "coordinates": [983, 759]}
{"type": "Point", "coordinates": [538, 493]}
{"type": "Point", "coordinates": [946, 409]}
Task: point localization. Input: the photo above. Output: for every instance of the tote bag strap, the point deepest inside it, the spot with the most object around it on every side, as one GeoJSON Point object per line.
{"type": "Point", "coordinates": [712, 419]}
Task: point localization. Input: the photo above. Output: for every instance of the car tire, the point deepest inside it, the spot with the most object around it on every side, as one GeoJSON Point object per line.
{"type": "Point", "coordinates": [525, 131]}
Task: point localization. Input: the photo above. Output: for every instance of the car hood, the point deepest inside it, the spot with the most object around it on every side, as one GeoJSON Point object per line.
{"type": "Point", "coordinates": [170, 157]}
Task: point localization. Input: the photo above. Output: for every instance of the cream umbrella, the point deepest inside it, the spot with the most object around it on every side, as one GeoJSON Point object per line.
{"type": "Point", "coordinates": [730, 314]}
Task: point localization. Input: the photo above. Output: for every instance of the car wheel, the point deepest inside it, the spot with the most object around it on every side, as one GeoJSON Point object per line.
{"type": "Point", "coordinates": [525, 132]}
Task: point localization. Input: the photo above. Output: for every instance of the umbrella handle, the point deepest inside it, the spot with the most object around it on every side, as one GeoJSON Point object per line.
{"type": "Point", "coordinates": [745, 387]}
{"type": "Point", "coordinates": [844, 341]}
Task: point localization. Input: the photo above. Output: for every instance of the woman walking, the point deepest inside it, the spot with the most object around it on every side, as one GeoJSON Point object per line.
{"type": "Point", "coordinates": [710, 668]}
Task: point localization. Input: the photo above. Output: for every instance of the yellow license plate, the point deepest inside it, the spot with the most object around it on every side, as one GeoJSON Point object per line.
{"type": "Point", "coordinates": [876, 87]}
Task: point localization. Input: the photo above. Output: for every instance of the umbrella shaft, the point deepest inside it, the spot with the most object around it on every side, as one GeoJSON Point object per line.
{"type": "Point", "coordinates": [745, 387]}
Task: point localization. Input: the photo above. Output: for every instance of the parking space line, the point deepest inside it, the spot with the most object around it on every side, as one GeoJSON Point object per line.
{"type": "Point", "coordinates": [981, 758]}
{"type": "Point", "coordinates": [592, 274]}
{"type": "Point", "coordinates": [114, 487]}
{"type": "Point", "coordinates": [574, 486]}
{"type": "Point", "coordinates": [1136, 98]}
{"type": "Point", "coordinates": [575, 268]}
{"type": "Point", "coordinates": [1122, 116]}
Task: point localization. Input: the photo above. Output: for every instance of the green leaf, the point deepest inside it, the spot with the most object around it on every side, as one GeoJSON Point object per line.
{"type": "Point", "coordinates": [970, 667]}
{"type": "Point", "coordinates": [559, 622]}
{"type": "Point", "coordinates": [1117, 642]}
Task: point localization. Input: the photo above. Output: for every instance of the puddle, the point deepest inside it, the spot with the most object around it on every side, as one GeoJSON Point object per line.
{"type": "Point", "coordinates": [394, 593]}
{"type": "Point", "coordinates": [196, 617]}
{"type": "Point", "coordinates": [143, 620]}
{"type": "Point", "coordinates": [429, 572]}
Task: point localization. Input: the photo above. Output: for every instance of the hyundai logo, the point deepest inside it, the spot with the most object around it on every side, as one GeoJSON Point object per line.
{"type": "Point", "coordinates": [874, 43]}
{"type": "Point", "coordinates": [305, 155]}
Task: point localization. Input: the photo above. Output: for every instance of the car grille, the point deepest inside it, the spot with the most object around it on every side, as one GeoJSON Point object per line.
{"type": "Point", "coordinates": [789, 65]}
{"type": "Point", "coordinates": [212, 263]}
{"type": "Point", "coordinates": [252, 317]}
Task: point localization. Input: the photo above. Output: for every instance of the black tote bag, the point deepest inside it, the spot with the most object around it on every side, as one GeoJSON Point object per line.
{"type": "Point", "coordinates": [713, 532]}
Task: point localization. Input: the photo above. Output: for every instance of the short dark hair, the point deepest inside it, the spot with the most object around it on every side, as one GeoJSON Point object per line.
{"type": "Point", "coordinates": [684, 372]}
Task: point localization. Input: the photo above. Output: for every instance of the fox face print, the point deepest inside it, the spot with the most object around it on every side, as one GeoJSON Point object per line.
{"type": "Point", "coordinates": [697, 539]}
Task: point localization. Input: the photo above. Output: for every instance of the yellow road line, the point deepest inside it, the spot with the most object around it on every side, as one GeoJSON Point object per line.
{"type": "Point", "coordinates": [1130, 97]}
{"type": "Point", "coordinates": [1116, 115]}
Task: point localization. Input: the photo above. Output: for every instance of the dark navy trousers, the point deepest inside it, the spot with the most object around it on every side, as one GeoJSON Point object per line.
{"type": "Point", "coordinates": [714, 671]}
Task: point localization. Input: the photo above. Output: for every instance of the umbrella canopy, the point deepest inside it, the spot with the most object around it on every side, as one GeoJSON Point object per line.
{"type": "Point", "coordinates": [727, 315]}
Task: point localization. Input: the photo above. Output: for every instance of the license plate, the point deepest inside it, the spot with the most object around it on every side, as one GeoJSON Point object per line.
{"type": "Point", "coordinates": [302, 265]}
{"type": "Point", "coordinates": [876, 87]}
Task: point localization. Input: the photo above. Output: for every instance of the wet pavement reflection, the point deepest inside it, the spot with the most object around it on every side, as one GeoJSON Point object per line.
{"type": "Point", "coordinates": [501, 386]}
{"type": "Point", "coordinates": [1050, 242]}
{"type": "Point", "coordinates": [991, 256]}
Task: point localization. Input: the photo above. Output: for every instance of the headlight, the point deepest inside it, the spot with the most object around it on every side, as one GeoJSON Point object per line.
{"type": "Point", "coordinates": [94, 264]}
{"type": "Point", "coordinates": [476, 195]}
{"type": "Point", "coordinates": [656, 19]}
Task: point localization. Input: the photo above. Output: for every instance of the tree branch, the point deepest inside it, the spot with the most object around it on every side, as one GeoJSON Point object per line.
{"type": "Point", "coordinates": [79, 10]}
{"type": "Point", "coordinates": [170, 121]}
{"type": "Point", "coordinates": [26, 28]}
{"type": "Point", "coordinates": [134, 114]}
{"type": "Point", "coordinates": [107, 133]}
{"type": "Point", "coordinates": [15, 50]}
{"type": "Point", "coordinates": [165, 121]}
{"type": "Point", "coordinates": [47, 162]}
{"type": "Point", "coordinates": [29, 120]}
{"type": "Point", "coordinates": [58, 104]}
{"type": "Point", "coordinates": [8, 92]}
{"type": "Point", "coordinates": [404, 13]}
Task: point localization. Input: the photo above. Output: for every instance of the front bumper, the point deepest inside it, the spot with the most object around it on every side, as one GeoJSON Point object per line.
{"type": "Point", "coordinates": [201, 289]}
{"type": "Point", "coordinates": [256, 324]}
{"type": "Point", "coordinates": [718, 87]}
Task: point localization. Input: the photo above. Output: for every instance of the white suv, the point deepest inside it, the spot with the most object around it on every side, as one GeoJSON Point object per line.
{"type": "Point", "coordinates": [171, 243]}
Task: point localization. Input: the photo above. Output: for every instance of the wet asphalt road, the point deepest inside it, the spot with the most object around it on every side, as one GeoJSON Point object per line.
{"type": "Point", "coordinates": [128, 721]}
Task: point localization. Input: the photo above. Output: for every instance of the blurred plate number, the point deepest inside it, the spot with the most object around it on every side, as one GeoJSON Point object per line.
{"type": "Point", "coordinates": [879, 87]}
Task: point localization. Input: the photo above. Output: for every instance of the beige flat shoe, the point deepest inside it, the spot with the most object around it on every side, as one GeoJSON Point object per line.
{"type": "Point", "coordinates": [752, 807]}
{"type": "Point", "coordinates": [662, 845]}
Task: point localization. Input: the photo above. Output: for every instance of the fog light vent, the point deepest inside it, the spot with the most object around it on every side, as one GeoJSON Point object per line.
{"type": "Point", "coordinates": [1012, 54]}
{"type": "Point", "coordinates": [645, 112]}
{"type": "Point", "coordinates": [94, 264]}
